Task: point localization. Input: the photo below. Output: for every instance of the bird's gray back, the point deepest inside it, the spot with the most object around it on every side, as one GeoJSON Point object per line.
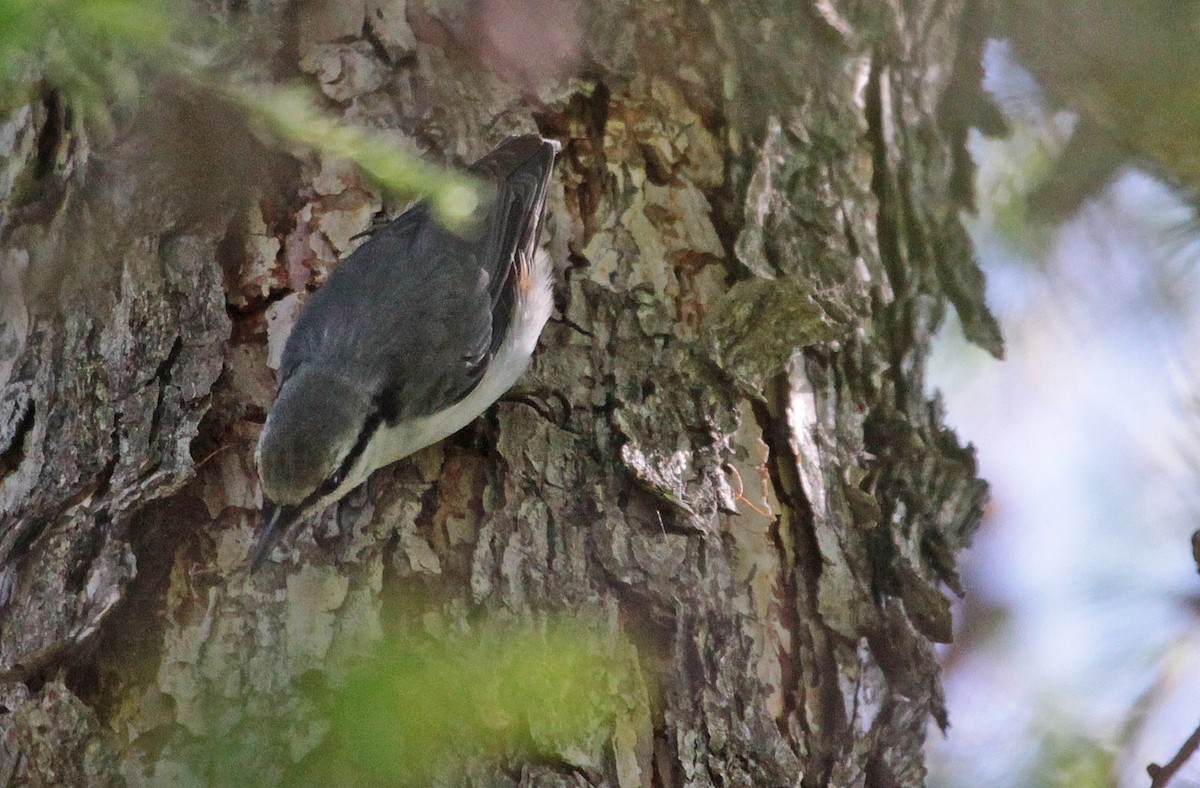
{"type": "Point", "coordinates": [407, 313]}
{"type": "Point", "coordinates": [417, 311]}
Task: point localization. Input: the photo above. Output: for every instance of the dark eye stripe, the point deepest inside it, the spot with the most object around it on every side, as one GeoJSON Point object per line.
{"type": "Point", "coordinates": [364, 437]}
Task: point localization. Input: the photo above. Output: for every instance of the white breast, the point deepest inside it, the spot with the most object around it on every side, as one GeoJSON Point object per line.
{"type": "Point", "coordinates": [534, 303]}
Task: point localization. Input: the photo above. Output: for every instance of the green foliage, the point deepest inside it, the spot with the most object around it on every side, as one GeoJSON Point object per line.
{"type": "Point", "coordinates": [1010, 171]}
{"type": "Point", "coordinates": [290, 114]}
{"type": "Point", "coordinates": [1068, 760]}
{"type": "Point", "coordinates": [97, 53]}
{"type": "Point", "coordinates": [419, 706]}
{"type": "Point", "coordinates": [84, 48]}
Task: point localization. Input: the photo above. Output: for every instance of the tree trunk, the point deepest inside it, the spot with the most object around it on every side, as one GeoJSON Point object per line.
{"type": "Point", "coordinates": [724, 452]}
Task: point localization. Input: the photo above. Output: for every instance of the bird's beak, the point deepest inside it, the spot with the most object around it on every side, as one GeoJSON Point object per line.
{"type": "Point", "coordinates": [275, 522]}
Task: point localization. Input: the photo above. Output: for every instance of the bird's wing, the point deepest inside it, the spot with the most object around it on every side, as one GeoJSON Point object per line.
{"type": "Point", "coordinates": [417, 311]}
{"type": "Point", "coordinates": [407, 314]}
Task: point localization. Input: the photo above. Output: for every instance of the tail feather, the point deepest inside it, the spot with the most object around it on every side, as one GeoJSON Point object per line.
{"type": "Point", "coordinates": [520, 168]}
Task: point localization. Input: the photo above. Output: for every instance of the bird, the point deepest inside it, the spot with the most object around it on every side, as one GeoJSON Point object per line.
{"type": "Point", "coordinates": [418, 331]}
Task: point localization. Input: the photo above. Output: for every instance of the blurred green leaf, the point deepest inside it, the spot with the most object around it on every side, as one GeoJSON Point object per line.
{"type": "Point", "coordinates": [147, 24]}
{"type": "Point", "coordinates": [291, 114]}
{"type": "Point", "coordinates": [91, 50]}
{"type": "Point", "coordinates": [1070, 760]}
{"type": "Point", "coordinates": [1009, 171]}
{"type": "Point", "coordinates": [420, 705]}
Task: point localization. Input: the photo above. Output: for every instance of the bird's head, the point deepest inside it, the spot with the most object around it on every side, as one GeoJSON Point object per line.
{"type": "Point", "coordinates": [310, 452]}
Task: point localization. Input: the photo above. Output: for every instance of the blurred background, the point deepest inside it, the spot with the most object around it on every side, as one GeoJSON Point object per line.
{"type": "Point", "coordinates": [1076, 659]}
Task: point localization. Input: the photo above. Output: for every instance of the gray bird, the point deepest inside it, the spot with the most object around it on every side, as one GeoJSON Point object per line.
{"type": "Point", "coordinates": [415, 334]}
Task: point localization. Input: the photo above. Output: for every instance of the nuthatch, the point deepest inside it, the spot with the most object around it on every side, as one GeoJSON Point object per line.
{"type": "Point", "coordinates": [415, 334]}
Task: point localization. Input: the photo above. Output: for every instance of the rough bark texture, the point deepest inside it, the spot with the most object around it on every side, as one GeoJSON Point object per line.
{"type": "Point", "coordinates": [725, 449]}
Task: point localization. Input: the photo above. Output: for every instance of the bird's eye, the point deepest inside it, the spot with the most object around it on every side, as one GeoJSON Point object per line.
{"type": "Point", "coordinates": [333, 480]}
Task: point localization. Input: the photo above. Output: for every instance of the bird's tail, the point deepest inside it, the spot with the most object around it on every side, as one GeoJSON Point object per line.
{"type": "Point", "coordinates": [520, 168]}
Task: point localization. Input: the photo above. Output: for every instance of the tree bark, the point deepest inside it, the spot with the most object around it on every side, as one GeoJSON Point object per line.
{"type": "Point", "coordinates": [724, 452]}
